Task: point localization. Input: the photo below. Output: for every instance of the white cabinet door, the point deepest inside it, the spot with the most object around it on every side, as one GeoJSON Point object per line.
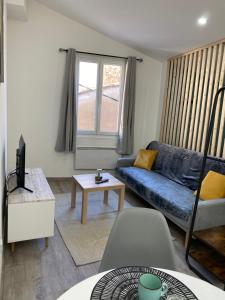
{"type": "Point", "coordinates": [30, 220]}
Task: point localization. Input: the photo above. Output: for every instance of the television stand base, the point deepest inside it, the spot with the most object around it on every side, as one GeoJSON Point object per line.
{"type": "Point", "coordinates": [22, 187]}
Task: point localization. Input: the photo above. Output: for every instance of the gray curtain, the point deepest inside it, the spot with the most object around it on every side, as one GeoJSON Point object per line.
{"type": "Point", "coordinates": [126, 131]}
{"type": "Point", "coordinates": [66, 139]}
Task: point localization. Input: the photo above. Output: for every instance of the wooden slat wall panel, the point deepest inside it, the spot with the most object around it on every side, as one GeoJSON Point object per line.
{"type": "Point", "coordinates": [189, 101]}
{"type": "Point", "coordinates": [219, 79]}
{"type": "Point", "coordinates": [178, 106]}
{"type": "Point", "coordinates": [172, 135]}
{"type": "Point", "coordinates": [203, 100]}
{"type": "Point", "coordinates": [199, 99]}
{"type": "Point", "coordinates": [195, 94]}
{"type": "Point", "coordinates": [167, 100]}
{"type": "Point", "coordinates": [170, 120]}
{"type": "Point", "coordinates": [181, 106]}
{"type": "Point", "coordinates": [220, 147]}
{"type": "Point", "coordinates": [182, 137]}
{"type": "Point", "coordinates": [212, 88]}
{"type": "Point", "coordinates": [192, 81]}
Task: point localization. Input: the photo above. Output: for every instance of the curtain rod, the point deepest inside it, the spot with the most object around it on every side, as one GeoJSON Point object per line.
{"type": "Point", "coordinates": [65, 50]}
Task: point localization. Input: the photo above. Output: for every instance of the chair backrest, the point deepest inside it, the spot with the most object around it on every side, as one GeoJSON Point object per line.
{"type": "Point", "coordinates": [139, 237]}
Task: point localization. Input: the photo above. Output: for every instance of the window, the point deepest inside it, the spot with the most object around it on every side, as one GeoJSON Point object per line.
{"type": "Point", "coordinates": [100, 87]}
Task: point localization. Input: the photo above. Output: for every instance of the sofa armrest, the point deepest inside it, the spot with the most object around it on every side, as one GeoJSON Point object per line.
{"type": "Point", "coordinates": [127, 161]}
{"type": "Point", "coordinates": [210, 213]}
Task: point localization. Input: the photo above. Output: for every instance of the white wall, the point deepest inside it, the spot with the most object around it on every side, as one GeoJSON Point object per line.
{"type": "Point", "coordinates": [35, 74]}
{"type": "Point", "coordinates": [3, 116]}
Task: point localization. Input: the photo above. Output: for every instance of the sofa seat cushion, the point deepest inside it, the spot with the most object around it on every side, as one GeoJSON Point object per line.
{"type": "Point", "coordinates": [162, 192]}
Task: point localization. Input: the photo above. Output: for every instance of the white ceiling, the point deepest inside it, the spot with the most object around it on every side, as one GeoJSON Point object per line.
{"type": "Point", "coordinates": [156, 27]}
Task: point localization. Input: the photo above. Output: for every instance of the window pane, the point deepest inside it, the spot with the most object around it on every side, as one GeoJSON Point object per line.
{"type": "Point", "coordinates": [87, 96]}
{"type": "Point", "coordinates": [110, 98]}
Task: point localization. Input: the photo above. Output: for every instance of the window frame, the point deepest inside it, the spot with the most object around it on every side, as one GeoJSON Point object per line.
{"type": "Point", "coordinates": [100, 61]}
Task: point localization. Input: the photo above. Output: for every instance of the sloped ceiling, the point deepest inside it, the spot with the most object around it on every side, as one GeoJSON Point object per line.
{"type": "Point", "coordinates": [158, 27]}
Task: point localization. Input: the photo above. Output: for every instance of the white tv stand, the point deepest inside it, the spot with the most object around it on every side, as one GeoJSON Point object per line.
{"type": "Point", "coordinates": [31, 215]}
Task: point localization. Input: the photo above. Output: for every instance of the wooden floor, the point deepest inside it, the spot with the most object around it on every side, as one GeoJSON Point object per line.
{"type": "Point", "coordinates": [35, 272]}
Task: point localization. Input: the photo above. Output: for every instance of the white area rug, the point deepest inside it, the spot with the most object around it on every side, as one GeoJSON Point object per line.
{"type": "Point", "coordinates": [86, 243]}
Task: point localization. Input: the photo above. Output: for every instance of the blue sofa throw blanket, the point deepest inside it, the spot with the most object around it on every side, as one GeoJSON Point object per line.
{"type": "Point", "coordinates": [172, 180]}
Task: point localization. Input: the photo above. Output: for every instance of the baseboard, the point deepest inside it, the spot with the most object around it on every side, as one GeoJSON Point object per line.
{"type": "Point", "coordinates": [59, 178]}
{"type": "Point", "coordinates": [77, 172]}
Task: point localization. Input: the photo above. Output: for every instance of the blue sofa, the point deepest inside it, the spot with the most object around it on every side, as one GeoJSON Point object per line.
{"type": "Point", "coordinates": [169, 186]}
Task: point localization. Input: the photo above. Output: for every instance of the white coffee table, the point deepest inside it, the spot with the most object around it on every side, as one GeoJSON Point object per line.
{"type": "Point", "coordinates": [86, 182]}
{"type": "Point", "coordinates": [202, 289]}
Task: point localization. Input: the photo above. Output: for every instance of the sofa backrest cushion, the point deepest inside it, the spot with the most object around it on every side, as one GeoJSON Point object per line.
{"type": "Point", "coordinates": [182, 165]}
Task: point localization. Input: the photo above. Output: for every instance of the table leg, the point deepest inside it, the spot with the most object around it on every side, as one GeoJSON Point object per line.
{"type": "Point", "coordinates": [106, 197]}
{"type": "Point", "coordinates": [73, 194]}
{"type": "Point", "coordinates": [84, 207]}
{"type": "Point", "coordinates": [12, 247]}
{"type": "Point", "coordinates": [46, 242]}
{"type": "Point", "coordinates": [121, 198]}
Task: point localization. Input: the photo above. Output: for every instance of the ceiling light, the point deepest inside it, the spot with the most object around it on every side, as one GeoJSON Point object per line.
{"type": "Point", "coordinates": [202, 21]}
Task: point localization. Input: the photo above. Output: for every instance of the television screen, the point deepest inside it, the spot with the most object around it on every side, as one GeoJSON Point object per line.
{"type": "Point", "coordinates": [20, 163]}
{"type": "Point", "coordinates": [20, 166]}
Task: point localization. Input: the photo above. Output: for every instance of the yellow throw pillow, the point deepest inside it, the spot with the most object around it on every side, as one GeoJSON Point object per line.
{"type": "Point", "coordinates": [145, 159]}
{"type": "Point", "coordinates": [213, 186]}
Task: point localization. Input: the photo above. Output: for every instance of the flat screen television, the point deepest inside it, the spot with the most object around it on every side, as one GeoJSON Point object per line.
{"type": "Point", "coordinates": [20, 165]}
